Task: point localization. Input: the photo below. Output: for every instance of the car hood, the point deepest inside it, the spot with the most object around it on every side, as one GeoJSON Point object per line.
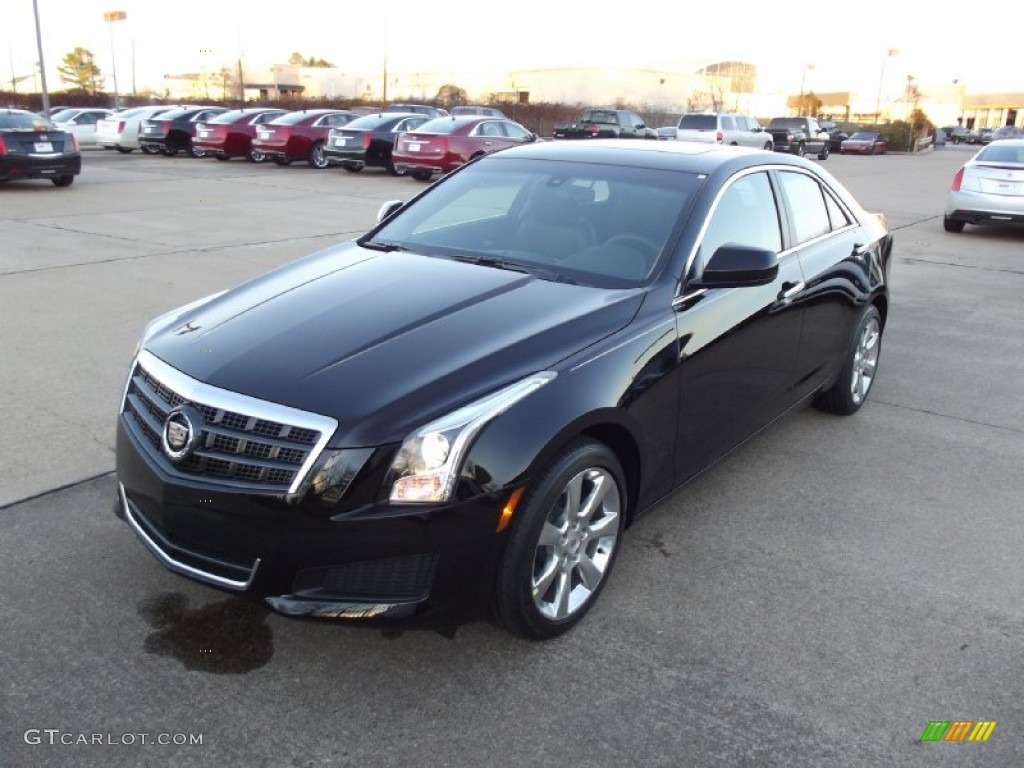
{"type": "Point", "coordinates": [386, 341]}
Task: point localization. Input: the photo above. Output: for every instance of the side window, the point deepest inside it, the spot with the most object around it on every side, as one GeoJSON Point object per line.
{"type": "Point", "coordinates": [807, 206]}
{"type": "Point", "coordinates": [516, 131]}
{"type": "Point", "coordinates": [746, 215]}
{"type": "Point", "coordinates": [836, 215]}
{"type": "Point", "coordinates": [728, 123]}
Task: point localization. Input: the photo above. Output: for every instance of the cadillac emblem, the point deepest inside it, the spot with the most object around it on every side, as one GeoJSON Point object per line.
{"type": "Point", "coordinates": [181, 432]}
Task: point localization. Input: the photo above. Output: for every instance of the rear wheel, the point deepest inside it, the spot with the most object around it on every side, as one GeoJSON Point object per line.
{"type": "Point", "coordinates": [353, 168]}
{"type": "Point", "coordinates": [390, 166]}
{"type": "Point", "coordinates": [282, 161]}
{"type": "Point", "coordinates": [317, 157]}
{"type": "Point", "coordinates": [63, 181]}
{"type": "Point", "coordinates": [125, 150]}
{"type": "Point", "coordinates": [823, 155]}
{"type": "Point", "coordinates": [169, 152]}
{"type": "Point", "coordinates": [222, 157]}
{"type": "Point", "coordinates": [563, 543]}
{"type": "Point", "coordinates": [421, 175]}
{"type": "Point", "coordinates": [952, 225]}
{"type": "Point", "coordinates": [768, 146]}
{"type": "Point", "coordinates": [254, 155]}
{"type": "Point", "coordinates": [851, 389]}
{"type": "Point", "coordinates": [148, 150]}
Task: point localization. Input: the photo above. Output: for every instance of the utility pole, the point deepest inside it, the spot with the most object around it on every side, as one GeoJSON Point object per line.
{"type": "Point", "coordinates": [110, 17]}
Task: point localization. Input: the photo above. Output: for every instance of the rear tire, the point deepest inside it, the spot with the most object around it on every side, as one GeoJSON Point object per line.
{"type": "Point", "coordinates": [952, 225]}
{"type": "Point", "coordinates": [148, 150]}
{"type": "Point", "coordinates": [63, 181]}
{"type": "Point", "coordinates": [353, 168]}
{"type": "Point", "coordinates": [317, 157]}
{"type": "Point", "coordinates": [125, 150]}
{"type": "Point", "coordinates": [255, 156]}
{"type": "Point", "coordinates": [222, 157]}
{"type": "Point", "coordinates": [169, 152]}
{"type": "Point", "coordinates": [823, 155]}
{"type": "Point", "coordinates": [421, 175]}
{"type": "Point", "coordinates": [563, 542]}
{"type": "Point", "coordinates": [282, 161]}
{"type": "Point", "coordinates": [855, 379]}
{"type": "Point", "coordinates": [768, 146]}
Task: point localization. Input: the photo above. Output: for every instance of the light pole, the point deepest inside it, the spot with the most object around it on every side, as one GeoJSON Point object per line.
{"type": "Point", "coordinates": [110, 17]}
{"type": "Point", "coordinates": [42, 66]}
{"type": "Point", "coordinates": [889, 52]}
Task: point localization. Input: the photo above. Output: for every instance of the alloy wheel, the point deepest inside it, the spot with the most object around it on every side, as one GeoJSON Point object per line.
{"type": "Point", "coordinates": [865, 361]}
{"type": "Point", "coordinates": [576, 543]}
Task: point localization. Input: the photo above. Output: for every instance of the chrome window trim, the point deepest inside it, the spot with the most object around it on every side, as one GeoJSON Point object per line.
{"type": "Point", "coordinates": [176, 565]}
{"type": "Point", "coordinates": [196, 391]}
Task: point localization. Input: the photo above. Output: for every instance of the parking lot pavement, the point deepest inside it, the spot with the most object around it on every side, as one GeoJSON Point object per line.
{"type": "Point", "coordinates": [817, 599]}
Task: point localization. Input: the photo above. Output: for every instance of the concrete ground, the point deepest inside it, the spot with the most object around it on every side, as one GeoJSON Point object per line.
{"type": "Point", "coordinates": [815, 600]}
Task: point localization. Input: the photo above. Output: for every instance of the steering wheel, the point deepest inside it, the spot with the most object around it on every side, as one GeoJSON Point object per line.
{"type": "Point", "coordinates": [647, 248]}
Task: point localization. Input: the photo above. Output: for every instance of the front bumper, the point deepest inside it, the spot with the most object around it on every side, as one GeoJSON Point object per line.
{"type": "Point", "coordinates": [372, 563]}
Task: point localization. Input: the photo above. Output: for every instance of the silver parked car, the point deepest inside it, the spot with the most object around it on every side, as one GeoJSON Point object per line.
{"type": "Point", "coordinates": [989, 189]}
{"type": "Point", "coordinates": [723, 128]}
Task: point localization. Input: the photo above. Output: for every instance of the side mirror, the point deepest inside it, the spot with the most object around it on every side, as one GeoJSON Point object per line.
{"type": "Point", "coordinates": [389, 209]}
{"type": "Point", "coordinates": [533, 137]}
{"type": "Point", "coordinates": [739, 266]}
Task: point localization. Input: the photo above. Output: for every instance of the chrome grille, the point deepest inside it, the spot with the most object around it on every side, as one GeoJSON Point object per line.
{"type": "Point", "coordinates": [244, 442]}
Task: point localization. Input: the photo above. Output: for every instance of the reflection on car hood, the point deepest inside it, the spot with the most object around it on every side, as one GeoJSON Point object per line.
{"type": "Point", "coordinates": [384, 341]}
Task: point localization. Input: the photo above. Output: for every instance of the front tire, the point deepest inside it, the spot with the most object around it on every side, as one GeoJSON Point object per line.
{"type": "Point", "coordinates": [125, 150]}
{"type": "Point", "coordinates": [421, 175]}
{"type": "Point", "coordinates": [282, 161]}
{"type": "Point", "coordinates": [851, 389]}
{"type": "Point", "coordinates": [255, 156]}
{"type": "Point", "coordinates": [63, 181]}
{"type": "Point", "coordinates": [801, 150]}
{"type": "Point", "coordinates": [563, 544]}
{"type": "Point", "coordinates": [823, 155]}
{"type": "Point", "coordinates": [148, 150]}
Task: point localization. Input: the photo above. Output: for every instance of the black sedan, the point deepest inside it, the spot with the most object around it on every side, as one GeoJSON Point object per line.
{"type": "Point", "coordinates": [457, 415]}
{"type": "Point", "coordinates": [369, 140]}
{"type": "Point", "coordinates": [172, 132]}
{"type": "Point", "coordinates": [32, 147]}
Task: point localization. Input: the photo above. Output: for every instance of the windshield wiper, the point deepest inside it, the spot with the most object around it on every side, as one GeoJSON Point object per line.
{"type": "Point", "coordinates": [383, 245]}
{"type": "Point", "coordinates": [513, 266]}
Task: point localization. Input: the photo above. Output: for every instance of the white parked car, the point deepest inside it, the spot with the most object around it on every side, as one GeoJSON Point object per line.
{"type": "Point", "coordinates": [989, 188]}
{"type": "Point", "coordinates": [121, 131]}
{"type": "Point", "coordinates": [81, 123]}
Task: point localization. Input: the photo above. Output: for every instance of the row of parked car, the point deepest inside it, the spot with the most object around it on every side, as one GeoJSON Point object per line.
{"type": "Point", "coordinates": [413, 139]}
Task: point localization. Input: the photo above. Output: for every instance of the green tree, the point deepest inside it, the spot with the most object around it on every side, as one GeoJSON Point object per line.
{"type": "Point", "coordinates": [450, 95]}
{"type": "Point", "coordinates": [298, 60]}
{"type": "Point", "coordinates": [79, 70]}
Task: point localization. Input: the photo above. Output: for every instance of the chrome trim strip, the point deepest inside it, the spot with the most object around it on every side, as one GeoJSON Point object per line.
{"type": "Point", "coordinates": [198, 392]}
{"type": "Point", "coordinates": [174, 565]}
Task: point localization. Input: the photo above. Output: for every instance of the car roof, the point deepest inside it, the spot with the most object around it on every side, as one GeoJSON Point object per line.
{"type": "Point", "coordinates": [667, 155]}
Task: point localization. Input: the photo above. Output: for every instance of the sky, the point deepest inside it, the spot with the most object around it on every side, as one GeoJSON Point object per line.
{"type": "Point", "coordinates": [844, 50]}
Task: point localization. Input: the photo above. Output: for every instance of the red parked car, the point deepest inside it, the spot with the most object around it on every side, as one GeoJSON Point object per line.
{"type": "Point", "coordinates": [300, 135]}
{"type": "Point", "coordinates": [444, 143]}
{"type": "Point", "coordinates": [231, 134]}
{"type": "Point", "coordinates": [864, 143]}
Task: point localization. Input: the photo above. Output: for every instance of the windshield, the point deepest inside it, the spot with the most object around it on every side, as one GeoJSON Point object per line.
{"type": "Point", "coordinates": [64, 115]}
{"type": "Point", "coordinates": [862, 136]}
{"type": "Point", "coordinates": [25, 121]}
{"type": "Point", "coordinates": [591, 224]}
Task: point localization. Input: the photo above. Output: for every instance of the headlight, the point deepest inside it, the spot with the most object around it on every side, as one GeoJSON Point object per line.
{"type": "Point", "coordinates": [428, 463]}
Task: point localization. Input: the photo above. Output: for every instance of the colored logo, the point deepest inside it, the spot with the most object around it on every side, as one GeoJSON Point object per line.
{"type": "Point", "coordinates": [958, 730]}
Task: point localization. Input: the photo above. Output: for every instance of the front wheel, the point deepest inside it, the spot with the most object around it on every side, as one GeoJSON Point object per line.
{"type": "Point", "coordinates": [148, 150]}
{"type": "Point", "coordinates": [353, 168]}
{"type": "Point", "coordinates": [169, 152]}
{"type": "Point", "coordinates": [421, 175]}
{"type": "Point", "coordinates": [563, 543]}
{"type": "Point", "coordinates": [254, 155]}
{"type": "Point", "coordinates": [63, 181]}
{"type": "Point", "coordinates": [125, 150]}
{"type": "Point", "coordinates": [282, 161]}
{"type": "Point", "coordinates": [823, 155]}
{"type": "Point", "coordinates": [768, 146]}
{"type": "Point", "coordinates": [851, 389]}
